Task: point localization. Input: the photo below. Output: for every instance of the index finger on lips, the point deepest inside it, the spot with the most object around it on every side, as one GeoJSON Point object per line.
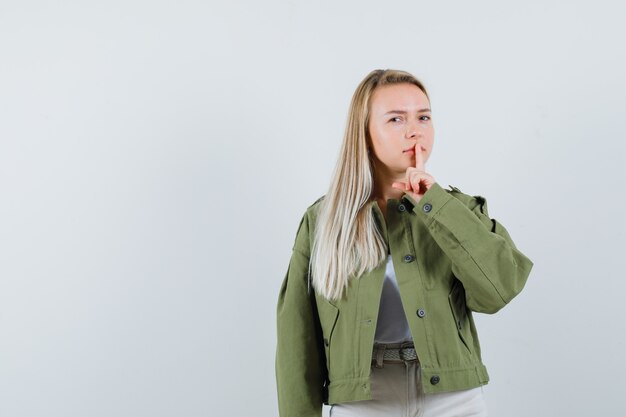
{"type": "Point", "coordinates": [419, 158]}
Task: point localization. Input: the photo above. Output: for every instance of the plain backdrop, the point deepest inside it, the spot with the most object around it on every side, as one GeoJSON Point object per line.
{"type": "Point", "coordinates": [156, 158]}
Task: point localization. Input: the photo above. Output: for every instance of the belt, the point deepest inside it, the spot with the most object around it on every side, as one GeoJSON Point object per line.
{"type": "Point", "coordinates": [393, 353]}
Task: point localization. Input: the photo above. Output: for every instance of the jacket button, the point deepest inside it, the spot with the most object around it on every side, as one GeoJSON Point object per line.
{"type": "Point", "coordinates": [408, 258]}
{"type": "Point", "coordinates": [434, 379]}
{"type": "Point", "coordinates": [401, 207]}
{"type": "Point", "coordinates": [427, 207]}
{"type": "Point", "coordinates": [325, 342]}
{"type": "Point", "coordinates": [421, 312]}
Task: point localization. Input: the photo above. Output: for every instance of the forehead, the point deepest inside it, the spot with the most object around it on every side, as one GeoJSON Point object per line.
{"type": "Point", "coordinates": [403, 96]}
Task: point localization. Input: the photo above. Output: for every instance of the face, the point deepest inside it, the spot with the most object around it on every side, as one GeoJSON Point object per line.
{"type": "Point", "coordinates": [400, 117]}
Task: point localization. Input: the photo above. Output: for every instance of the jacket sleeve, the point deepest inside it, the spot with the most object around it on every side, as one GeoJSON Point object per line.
{"type": "Point", "coordinates": [299, 374]}
{"type": "Point", "coordinates": [484, 258]}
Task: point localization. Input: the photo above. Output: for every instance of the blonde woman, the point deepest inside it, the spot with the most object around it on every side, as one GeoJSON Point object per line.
{"type": "Point", "coordinates": [374, 314]}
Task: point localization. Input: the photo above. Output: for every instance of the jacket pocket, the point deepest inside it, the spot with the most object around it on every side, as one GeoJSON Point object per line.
{"type": "Point", "coordinates": [456, 298]}
{"type": "Point", "coordinates": [328, 314]}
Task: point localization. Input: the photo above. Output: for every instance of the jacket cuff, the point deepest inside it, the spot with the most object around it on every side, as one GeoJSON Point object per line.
{"type": "Point", "coordinates": [431, 202]}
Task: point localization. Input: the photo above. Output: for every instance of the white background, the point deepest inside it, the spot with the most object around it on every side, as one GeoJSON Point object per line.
{"type": "Point", "coordinates": [156, 158]}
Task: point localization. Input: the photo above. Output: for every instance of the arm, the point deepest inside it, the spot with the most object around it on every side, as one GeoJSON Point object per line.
{"type": "Point", "coordinates": [484, 258]}
{"type": "Point", "coordinates": [299, 374]}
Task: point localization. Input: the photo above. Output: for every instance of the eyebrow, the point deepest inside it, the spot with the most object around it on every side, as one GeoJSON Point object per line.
{"type": "Point", "coordinates": [404, 112]}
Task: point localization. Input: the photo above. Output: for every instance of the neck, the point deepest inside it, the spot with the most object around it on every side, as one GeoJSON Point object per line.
{"type": "Point", "coordinates": [383, 190]}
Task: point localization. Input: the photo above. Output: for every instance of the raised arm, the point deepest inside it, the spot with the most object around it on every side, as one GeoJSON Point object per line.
{"type": "Point", "coordinates": [484, 258]}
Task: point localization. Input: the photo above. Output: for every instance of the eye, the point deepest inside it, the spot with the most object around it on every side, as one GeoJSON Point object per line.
{"type": "Point", "coordinates": [394, 118]}
{"type": "Point", "coordinates": [428, 117]}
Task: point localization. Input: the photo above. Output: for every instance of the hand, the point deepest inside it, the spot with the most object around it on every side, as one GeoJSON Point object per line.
{"type": "Point", "coordinates": [417, 180]}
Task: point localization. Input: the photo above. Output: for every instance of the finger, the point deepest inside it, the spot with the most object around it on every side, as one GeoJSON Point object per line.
{"type": "Point", "coordinates": [400, 186]}
{"type": "Point", "coordinates": [419, 158]}
{"type": "Point", "coordinates": [416, 178]}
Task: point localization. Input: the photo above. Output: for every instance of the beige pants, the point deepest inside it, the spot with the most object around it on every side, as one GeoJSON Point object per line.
{"type": "Point", "coordinates": [397, 391]}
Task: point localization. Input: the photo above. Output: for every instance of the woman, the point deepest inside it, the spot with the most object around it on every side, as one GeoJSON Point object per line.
{"type": "Point", "coordinates": [374, 315]}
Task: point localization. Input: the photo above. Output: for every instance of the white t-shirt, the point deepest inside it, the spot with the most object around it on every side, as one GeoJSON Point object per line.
{"type": "Point", "coordinates": [392, 326]}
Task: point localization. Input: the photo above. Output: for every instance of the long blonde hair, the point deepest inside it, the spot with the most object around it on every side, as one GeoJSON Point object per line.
{"type": "Point", "coordinates": [347, 241]}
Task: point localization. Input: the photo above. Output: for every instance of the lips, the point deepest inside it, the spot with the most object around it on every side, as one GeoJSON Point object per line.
{"type": "Point", "coordinates": [412, 148]}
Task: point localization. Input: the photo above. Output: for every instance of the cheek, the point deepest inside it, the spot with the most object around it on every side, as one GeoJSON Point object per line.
{"type": "Point", "coordinates": [380, 140]}
{"type": "Point", "coordinates": [430, 141]}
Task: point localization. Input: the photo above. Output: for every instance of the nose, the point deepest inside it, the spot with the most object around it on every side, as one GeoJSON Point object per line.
{"type": "Point", "coordinates": [412, 130]}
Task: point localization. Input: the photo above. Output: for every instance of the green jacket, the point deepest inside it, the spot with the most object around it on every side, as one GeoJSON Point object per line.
{"type": "Point", "coordinates": [450, 259]}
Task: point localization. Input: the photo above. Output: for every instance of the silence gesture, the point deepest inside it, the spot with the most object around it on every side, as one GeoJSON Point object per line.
{"type": "Point", "coordinates": [417, 180]}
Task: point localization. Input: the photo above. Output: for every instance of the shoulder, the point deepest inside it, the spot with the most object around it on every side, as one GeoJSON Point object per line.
{"type": "Point", "coordinates": [307, 225]}
{"type": "Point", "coordinates": [316, 203]}
{"type": "Point", "coordinates": [313, 208]}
